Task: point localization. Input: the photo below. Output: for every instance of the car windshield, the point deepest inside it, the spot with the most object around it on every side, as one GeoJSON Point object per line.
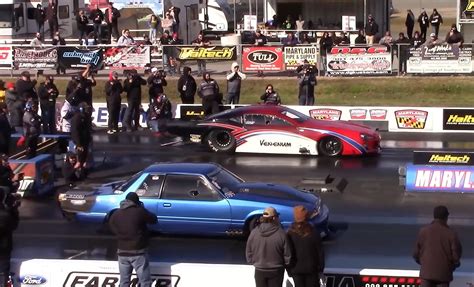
{"type": "Point", "coordinates": [224, 179]}
{"type": "Point", "coordinates": [124, 186]}
{"type": "Point", "coordinates": [292, 114]}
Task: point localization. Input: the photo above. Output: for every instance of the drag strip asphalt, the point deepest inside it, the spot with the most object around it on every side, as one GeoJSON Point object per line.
{"type": "Point", "coordinates": [376, 221]}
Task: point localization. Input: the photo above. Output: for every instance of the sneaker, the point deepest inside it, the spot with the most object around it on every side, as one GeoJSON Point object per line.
{"type": "Point", "coordinates": [110, 132]}
{"type": "Point", "coordinates": [115, 131]}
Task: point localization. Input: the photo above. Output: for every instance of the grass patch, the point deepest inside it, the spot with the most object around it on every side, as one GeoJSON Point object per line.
{"type": "Point", "coordinates": [387, 91]}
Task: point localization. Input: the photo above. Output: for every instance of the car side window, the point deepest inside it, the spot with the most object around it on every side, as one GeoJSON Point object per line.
{"type": "Point", "coordinates": [264, 120]}
{"type": "Point", "coordinates": [275, 121]}
{"type": "Point", "coordinates": [251, 119]}
{"type": "Point", "coordinates": [188, 187]}
{"type": "Point", "coordinates": [151, 186]}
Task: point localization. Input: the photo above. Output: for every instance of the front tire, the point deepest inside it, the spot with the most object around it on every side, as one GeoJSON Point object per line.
{"type": "Point", "coordinates": [330, 146]}
{"type": "Point", "coordinates": [221, 141]}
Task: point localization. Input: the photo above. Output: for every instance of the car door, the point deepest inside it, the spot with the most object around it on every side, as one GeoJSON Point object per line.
{"type": "Point", "coordinates": [190, 204]}
{"type": "Point", "coordinates": [269, 134]}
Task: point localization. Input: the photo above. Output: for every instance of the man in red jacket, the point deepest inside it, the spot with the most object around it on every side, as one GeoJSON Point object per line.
{"type": "Point", "coordinates": [438, 251]}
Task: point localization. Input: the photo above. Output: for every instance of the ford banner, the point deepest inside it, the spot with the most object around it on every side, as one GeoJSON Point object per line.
{"type": "Point", "coordinates": [431, 178]}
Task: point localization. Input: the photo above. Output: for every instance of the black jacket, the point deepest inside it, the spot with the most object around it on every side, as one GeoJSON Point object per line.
{"type": "Point", "coordinates": [156, 84]}
{"type": "Point", "coordinates": [70, 173]}
{"type": "Point", "coordinates": [85, 90]}
{"type": "Point", "coordinates": [5, 130]}
{"type": "Point", "coordinates": [271, 98]}
{"type": "Point", "coordinates": [371, 29]}
{"type": "Point", "coordinates": [6, 175]}
{"type": "Point", "coordinates": [82, 22]}
{"type": "Point", "coordinates": [115, 16]}
{"type": "Point", "coordinates": [47, 95]}
{"type": "Point", "coordinates": [308, 255]}
{"type": "Point", "coordinates": [191, 87]}
{"type": "Point", "coordinates": [268, 247]}
{"type": "Point", "coordinates": [16, 105]}
{"type": "Point", "coordinates": [208, 90]}
{"type": "Point", "coordinates": [97, 16]}
{"type": "Point", "coordinates": [438, 251]}
{"type": "Point", "coordinates": [81, 129]}
{"type": "Point", "coordinates": [26, 89]}
{"type": "Point", "coordinates": [161, 110]}
{"type": "Point", "coordinates": [423, 20]}
{"type": "Point", "coordinates": [134, 89]}
{"type": "Point", "coordinates": [113, 89]}
{"type": "Point", "coordinates": [40, 15]}
{"type": "Point", "coordinates": [8, 223]}
{"type": "Point", "coordinates": [31, 124]}
{"type": "Point", "coordinates": [129, 224]}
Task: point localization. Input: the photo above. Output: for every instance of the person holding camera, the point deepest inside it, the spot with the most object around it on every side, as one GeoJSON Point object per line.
{"type": "Point", "coordinates": [133, 87]}
{"type": "Point", "coordinates": [187, 86]}
{"type": "Point", "coordinates": [159, 112]}
{"type": "Point", "coordinates": [81, 127]}
{"type": "Point", "coordinates": [9, 181]}
{"type": "Point", "coordinates": [270, 97]}
{"type": "Point", "coordinates": [209, 93]}
{"type": "Point", "coordinates": [113, 89]}
{"type": "Point", "coordinates": [85, 85]}
{"type": "Point", "coordinates": [306, 82]}
{"type": "Point", "coordinates": [129, 224]}
{"type": "Point", "coordinates": [9, 218]}
{"type": "Point", "coordinates": [234, 82]}
{"type": "Point", "coordinates": [156, 81]}
{"type": "Point", "coordinates": [48, 92]}
{"type": "Point", "coordinates": [72, 170]}
{"type": "Point", "coordinates": [31, 128]}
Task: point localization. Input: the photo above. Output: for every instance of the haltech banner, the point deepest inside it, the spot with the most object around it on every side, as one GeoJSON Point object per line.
{"type": "Point", "coordinates": [458, 119]}
{"type": "Point", "coordinates": [443, 158]}
{"type": "Point", "coordinates": [466, 11]}
{"type": "Point", "coordinates": [411, 119]}
{"type": "Point", "coordinates": [207, 53]}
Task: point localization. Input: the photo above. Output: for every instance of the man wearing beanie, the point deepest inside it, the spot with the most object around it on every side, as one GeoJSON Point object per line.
{"type": "Point", "coordinates": [234, 81]}
{"type": "Point", "coordinates": [268, 250]}
{"type": "Point", "coordinates": [129, 224]}
{"type": "Point", "coordinates": [437, 250]}
{"type": "Point", "coordinates": [308, 255]}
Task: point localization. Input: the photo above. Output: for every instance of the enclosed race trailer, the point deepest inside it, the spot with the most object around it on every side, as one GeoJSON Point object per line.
{"type": "Point", "coordinates": [17, 17]}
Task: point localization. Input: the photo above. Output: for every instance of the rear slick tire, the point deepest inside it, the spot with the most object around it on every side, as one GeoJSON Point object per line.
{"type": "Point", "coordinates": [221, 141]}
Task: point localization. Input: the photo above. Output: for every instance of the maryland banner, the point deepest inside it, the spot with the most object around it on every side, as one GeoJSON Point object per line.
{"type": "Point", "coordinates": [125, 58]}
{"type": "Point", "coordinates": [35, 58]}
{"type": "Point", "coordinates": [207, 53]}
{"type": "Point", "coordinates": [294, 56]}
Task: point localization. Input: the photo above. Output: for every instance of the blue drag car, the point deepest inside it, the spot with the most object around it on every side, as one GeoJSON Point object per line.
{"type": "Point", "coordinates": [190, 198]}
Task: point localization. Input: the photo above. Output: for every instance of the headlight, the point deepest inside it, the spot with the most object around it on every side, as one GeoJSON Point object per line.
{"type": "Point", "coordinates": [317, 209]}
{"type": "Point", "coordinates": [62, 197]}
{"type": "Point", "coordinates": [366, 137]}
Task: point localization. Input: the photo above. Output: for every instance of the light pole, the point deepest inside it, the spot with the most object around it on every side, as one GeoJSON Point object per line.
{"type": "Point", "coordinates": [235, 19]}
{"type": "Point", "coordinates": [187, 22]}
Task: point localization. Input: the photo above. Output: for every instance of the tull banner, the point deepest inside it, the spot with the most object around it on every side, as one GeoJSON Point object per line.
{"type": "Point", "coordinates": [262, 58]}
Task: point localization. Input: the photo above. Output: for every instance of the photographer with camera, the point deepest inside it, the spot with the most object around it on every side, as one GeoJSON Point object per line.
{"type": "Point", "coordinates": [306, 82]}
{"type": "Point", "coordinates": [31, 128]}
{"type": "Point", "coordinates": [72, 169]}
{"type": "Point", "coordinates": [9, 218]}
{"type": "Point", "coordinates": [270, 97]}
{"type": "Point", "coordinates": [48, 92]}
{"type": "Point", "coordinates": [156, 81]}
{"type": "Point", "coordinates": [81, 127]}
{"type": "Point", "coordinates": [113, 89]}
{"type": "Point", "coordinates": [159, 112]}
{"type": "Point", "coordinates": [85, 85]}
{"type": "Point", "coordinates": [133, 87]}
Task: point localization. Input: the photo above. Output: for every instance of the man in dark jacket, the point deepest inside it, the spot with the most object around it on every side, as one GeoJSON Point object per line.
{"type": "Point", "coordinates": [113, 89]}
{"type": "Point", "coordinates": [82, 22]}
{"type": "Point", "coordinates": [268, 250]}
{"type": "Point", "coordinates": [52, 16]}
{"type": "Point", "coordinates": [25, 87]}
{"type": "Point", "coordinates": [111, 18]}
{"type": "Point", "coordinates": [307, 83]}
{"type": "Point", "coordinates": [209, 93]}
{"type": "Point", "coordinates": [129, 224]}
{"type": "Point", "coordinates": [438, 251]}
{"type": "Point", "coordinates": [5, 129]}
{"type": "Point", "coordinates": [371, 30]}
{"type": "Point", "coordinates": [436, 20]}
{"type": "Point", "coordinates": [48, 92]}
{"type": "Point", "coordinates": [15, 105]}
{"type": "Point", "coordinates": [133, 87]}
{"type": "Point", "coordinates": [159, 112]}
{"type": "Point", "coordinates": [234, 82]}
{"type": "Point", "coordinates": [31, 128]}
{"type": "Point", "coordinates": [40, 16]}
{"type": "Point", "coordinates": [410, 23]}
{"type": "Point", "coordinates": [8, 223]}
{"type": "Point", "coordinates": [9, 181]}
{"type": "Point", "coordinates": [424, 22]}
{"type": "Point", "coordinates": [81, 126]}
{"type": "Point", "coordinates": [187, 86]}
{"type": "Point", "coordinates": [72, 170]}
{"type": "Point", "coordinates": [156, 81]}
{"type": "Point", "coordinates": [404, 48]}
{"type": "Point", "coordinates": [97, 17]}
{"type": "Point", "coordinates": [85, 86]}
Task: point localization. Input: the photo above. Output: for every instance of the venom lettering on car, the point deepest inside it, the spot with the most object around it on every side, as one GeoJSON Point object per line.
{"type": "Point", "coordinates": [85, 279]}
{"type": "Point", "coordinates": [274, 144]}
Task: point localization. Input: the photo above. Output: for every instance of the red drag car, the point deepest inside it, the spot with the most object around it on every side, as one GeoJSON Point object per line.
{"type": "Point", "coordinates": [279, 130]}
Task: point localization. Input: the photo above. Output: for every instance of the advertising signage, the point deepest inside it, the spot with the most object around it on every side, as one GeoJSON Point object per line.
{"type": "Point", "coordinates": [438, 178]}
{"type": "Point", "coordinates": [374, 60]}
{"type": "Point", "coordinates": [443, 158]}
{"type": "Point", "coordinates": [458, 119]}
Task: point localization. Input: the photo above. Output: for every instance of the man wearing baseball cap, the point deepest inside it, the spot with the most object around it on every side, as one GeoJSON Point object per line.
{"type": "Point", "coordinates": [268, 250]}
{"type": "Point", "coordinates": [438, 250]}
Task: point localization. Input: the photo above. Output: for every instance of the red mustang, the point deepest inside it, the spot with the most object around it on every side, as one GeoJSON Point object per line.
{"type": "Point", "coordinates": [279, 130]}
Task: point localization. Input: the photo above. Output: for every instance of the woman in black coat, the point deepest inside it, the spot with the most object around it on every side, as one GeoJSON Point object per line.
{"type": "Point", "coordinates": [308, 252]}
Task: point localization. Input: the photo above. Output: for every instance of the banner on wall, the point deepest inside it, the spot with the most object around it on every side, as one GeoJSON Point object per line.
{"type": "Point", "coordinates": [73, 57]}
{"type": "Point", "coordinates": [439, 178]}
{"type": "Point", "coordinates": [5, 57]}
{"type": "Point", "coordinates": [207, 53]}
{"type": "Point", "coordinates": [124, 58]}
{"type": "Point", "coordinates": [458, 119]}
{"type": "Point", "coordinates": [440, 59]}
{"type": "Point", "coordinates": [349, 61]}
{"type": "Point", "coordinates": [262, 58]}
{"type": "Point", "coordinates": [294, 56]}
{"type": "Point", "coordinates": [38, 58]}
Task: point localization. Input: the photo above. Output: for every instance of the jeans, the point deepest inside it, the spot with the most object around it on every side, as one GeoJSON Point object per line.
{"type": "Point", "coordinates": [306, 280]}
{"type": "Point", "coordinates": [48, 116]}
{"type": "Point", "coordinates": [98, 32]}
{"type": "Point", "coordinates": [166, 62]}
{"type": "Point", "coordinates": [152, 34]}
{"type": "Point", "coordinates": [269, 278]}
{"type": "Point", "coordinates": [233, 98]}
{"type": "Point", "coordinates": [113, 108]}
{"type": "Point", "coordinates": [132, 113]}
{"type": "Point", "coordinates": [201, 66]}
{"type": "Point", "coordinates": [140, 264]}
{"type": "Point", "coordinates": [435, 29]}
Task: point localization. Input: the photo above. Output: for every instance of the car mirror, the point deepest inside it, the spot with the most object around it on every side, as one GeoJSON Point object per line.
{"type": "Point", "coordinates": [193, 193]}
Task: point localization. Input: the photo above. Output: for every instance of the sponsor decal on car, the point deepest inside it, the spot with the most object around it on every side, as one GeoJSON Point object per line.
{"type": "Point", "coordinates": [378, 114]}
{"type": "Point", "coordinates": [358, 114]}
{"type": "Point", "coordinates": [32, 280]}
{"type": "Point", "coordinates": [443, 158]}
{"type": "Point", "coordinates": [325, 114]}
{"type": "Point", "coordinates": [87, 279]}
{"type": "Point", "coordinates": [207, 53]}
{"type": "Point", "coordinates": [411, 119]}
{"type": "Point", "coordinates": [458, 119]}
{"type": "Point", "coordinates": [274, 144]}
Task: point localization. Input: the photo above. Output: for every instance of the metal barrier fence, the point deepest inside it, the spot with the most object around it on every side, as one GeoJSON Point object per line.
{"type": "Point", "coordinates": [350, 60]}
